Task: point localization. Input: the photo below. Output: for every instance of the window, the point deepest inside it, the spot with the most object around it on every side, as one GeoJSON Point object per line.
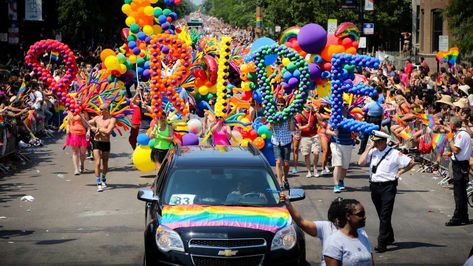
{"type": "Point", "coordinates": [437, 28]}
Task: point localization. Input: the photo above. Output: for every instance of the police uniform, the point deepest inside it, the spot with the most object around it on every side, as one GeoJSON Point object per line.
{"type": "Point", "coordinates": [383, 186]}
{"type": "Point", "coordinates": [461, 168]}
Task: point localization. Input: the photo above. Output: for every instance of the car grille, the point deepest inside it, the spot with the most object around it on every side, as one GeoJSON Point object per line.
{"type": "Point", "coordinates": [240, 261]}
{"type": "Point", "coordinates": [228, 243]}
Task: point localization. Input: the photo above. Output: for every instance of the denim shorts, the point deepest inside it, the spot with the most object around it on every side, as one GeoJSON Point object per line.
{"type": "Point", "coordinates": [282, 152]}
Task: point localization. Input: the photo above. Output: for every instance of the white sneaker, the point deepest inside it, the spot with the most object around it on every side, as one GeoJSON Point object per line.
{"type": "Point", "coordinates": [76, 173]}
{"type": "Point", "coordinates": [99, 188]}
{"type": "Point", "coordinates": [326, 171]}
{"type": "Point", "coordinates": [104, 185]}
{"type": "Point", "coordinates": [316, 174]}
{"type": "Point", "coordinates": [294, 171]}
{"type": "Point", "coordinates": [309, 174]}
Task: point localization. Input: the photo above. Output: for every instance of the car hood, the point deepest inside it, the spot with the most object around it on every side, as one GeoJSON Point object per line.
{"type": "Point", "coordinates": [269, 219]}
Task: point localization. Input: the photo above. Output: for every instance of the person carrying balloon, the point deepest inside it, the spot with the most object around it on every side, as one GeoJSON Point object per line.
{"type": "Point", "coordinates": [163, 137]}
{"type": "Point", "coordinates": [220, 133]}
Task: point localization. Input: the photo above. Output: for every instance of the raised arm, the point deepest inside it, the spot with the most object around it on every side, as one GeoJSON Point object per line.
{"type": "Point", "coordinates": [307, 226]}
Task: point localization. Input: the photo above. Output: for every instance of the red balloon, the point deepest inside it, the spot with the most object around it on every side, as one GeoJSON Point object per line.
{"type": "Point", "coordinates": [347, 42]}
{"type": "Point", "coordinates": [253, 134]}
{"type": "Point", "coordinates": [327, 66]}
{"type": "Point", "coordinates": [331, 39]}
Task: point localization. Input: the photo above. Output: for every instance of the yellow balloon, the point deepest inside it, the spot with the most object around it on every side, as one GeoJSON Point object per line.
{"type": "Point", "coordinates": [157, 29]}
{"type": "Point", "coordinates": [286, 61]}
{"type": "Point", "coordinates": [122, 69]}
{"type": "Point", "coordinates": [213, 89]}
{"type": "Point", "coordinates": [153, 1]}
{"type": "Point", "coordinates": [203, 90]}
{"type": "Point", "coordinates": [148, 30]}
{"type": "Point", "coordinates": [324, 89]}
{"type": "Point", "coordinates": [132, 58]}
{"type": "Point", "coordinates": [244, 142]}
{"type": "Point", "coordinates": [126, 8]}
{"type": "Point", "coordinates": [111, 62]}
{"type": "Point", "coordinates": [129, 21]}
{"type": "Point", "coordinates": [142, 159]}
{"type": "Point", "coordinates": [148, 10]}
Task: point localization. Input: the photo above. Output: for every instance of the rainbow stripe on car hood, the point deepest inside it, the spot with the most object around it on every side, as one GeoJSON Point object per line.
{"type": "Point", "coordinates": [261, 218]}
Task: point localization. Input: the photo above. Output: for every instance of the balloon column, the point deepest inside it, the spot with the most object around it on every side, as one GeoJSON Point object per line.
{"type": "Point", "coordinates": [174, 50]}
{"type": "Point", "coordinates": [342, 82]}
{"type": "Point", "coordinates": [299, 81]}
{"type": "Point", "coordinates": [223, 93]}
{"type": "Point", "coordinates": [57, 87]}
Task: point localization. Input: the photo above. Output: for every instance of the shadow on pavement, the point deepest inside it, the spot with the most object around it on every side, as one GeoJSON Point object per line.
{"type": "Point", "coordinates": [7, 234]}
{"type": "Point", "coordinates": [14, 191]}
{"type": "Point", "coordinates": [54, 241]}
{"type": "Point", "coordinates": [111, 186]}
{"type": "Point", "coordinates": [119, 155]}
{"type": "Point", "coordinates": [409, 245]}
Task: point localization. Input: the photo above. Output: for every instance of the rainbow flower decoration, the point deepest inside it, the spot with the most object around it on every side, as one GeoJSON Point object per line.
{"type": "Point", "coordinates": [347, 29]}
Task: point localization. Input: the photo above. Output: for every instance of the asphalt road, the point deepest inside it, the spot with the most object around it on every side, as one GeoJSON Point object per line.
{"type": "Point", "coordinates": [70, 223]}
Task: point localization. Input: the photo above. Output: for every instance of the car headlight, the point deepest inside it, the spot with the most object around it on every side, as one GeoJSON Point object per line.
{"type": "Point", "coordinates": [285, 238]}
{"type": "Point", "coordinates": [167, 239]}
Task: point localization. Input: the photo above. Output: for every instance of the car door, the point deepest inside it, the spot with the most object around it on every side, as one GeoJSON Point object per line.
{"type": "Point", "coordinates": [154, 207]}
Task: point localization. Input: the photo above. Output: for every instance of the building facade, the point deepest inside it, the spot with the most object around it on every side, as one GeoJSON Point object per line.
{"type": "Point", "coordinates": [428, 23]}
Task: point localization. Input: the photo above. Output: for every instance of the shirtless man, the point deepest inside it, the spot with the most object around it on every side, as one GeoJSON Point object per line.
{"type": "Point", "coordinates": [102, 125]}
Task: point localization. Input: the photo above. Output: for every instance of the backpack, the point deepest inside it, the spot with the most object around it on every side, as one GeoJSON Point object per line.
{"type": "Point", "coordinates": [425, 144]}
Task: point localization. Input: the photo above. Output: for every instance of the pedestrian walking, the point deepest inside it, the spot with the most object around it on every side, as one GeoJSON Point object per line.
{"type": "Point", "coordinates": [460, 152]}
{"type": "Point", "coordinates": [386, 166]}
{"type": "Point", "coordinates": [347, 246]}
{"type": "Point", "coordinates": [281, 140]}
{"type": "Point", "coordinates": [102, 125]}
{"type": "Point", "coordinates": [76, 138]}
{"type": "Point", "coordinates": [310, 141]}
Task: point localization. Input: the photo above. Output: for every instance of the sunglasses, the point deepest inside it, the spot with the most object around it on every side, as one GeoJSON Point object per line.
{"type": "Point", "coordinates": [360, 214]}
{"type": "Point", "coordinates": [279, 105]}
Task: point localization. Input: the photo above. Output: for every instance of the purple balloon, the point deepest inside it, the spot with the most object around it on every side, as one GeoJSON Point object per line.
{"type": "Point", "coordinates": [293, 82]}
{"type": "Point", "coordinates": [312, 38]}
{"type": "Point", "coordinates": [314, 71]}
{"type": "Point", "coordinates": [190, 139]}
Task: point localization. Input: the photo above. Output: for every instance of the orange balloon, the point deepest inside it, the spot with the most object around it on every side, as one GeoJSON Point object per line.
{"type": "Point", "coordinates": [259, 143]}
{"type": "Point", "coordinates": [106, 53]}
{"type": "Point", "coordinates": [351, 50]}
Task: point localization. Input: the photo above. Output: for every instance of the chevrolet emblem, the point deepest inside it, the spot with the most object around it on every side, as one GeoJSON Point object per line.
{"type": "Point", "coordinates": [227, 252]}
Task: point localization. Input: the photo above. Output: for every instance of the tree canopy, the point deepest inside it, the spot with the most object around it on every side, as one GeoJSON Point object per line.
{"type": "Point", "coordinates": [391, 17]}
{"type": "Point", "coordinates": [460, 22]}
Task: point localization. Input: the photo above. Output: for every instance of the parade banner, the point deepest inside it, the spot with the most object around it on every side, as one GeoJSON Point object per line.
{"type": "Point", "coordinates": [34, 10]}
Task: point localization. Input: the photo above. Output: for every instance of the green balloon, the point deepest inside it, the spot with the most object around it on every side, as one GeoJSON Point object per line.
{"type": "Point", "coordinates": [131, 37]}
{"type": "Point", "coordinates": [252, 76]}
{"type": "Point", "coordinates": [198, 97]}
{"type": "Point", "coordinates": [209, 96]}
{"type": "Point", "coordinates": [166, 12]}
{"type": "Point", "coordinates": [157, 12]}
{"type": "Point", "coordinates": [121, 58]}
{"type": "Point", "coordinates": [128, 1]}
{"type": "Point", "coordinates": [140, 61]}
{"type": "Point", "coordinates": [291, 67]}
{"type": "Point", "coordinates": [135, 28]}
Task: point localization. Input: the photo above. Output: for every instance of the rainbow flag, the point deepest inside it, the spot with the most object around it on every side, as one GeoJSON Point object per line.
{"type": "Point", "coordinates": [427, 120]}
{"type": "Point", "coordinates": [21, 91]}
{"type": "Point", "coordinates": [438, 141]}
{"type": "Point", "coordinates": [55, 55]}
{"type": "Point", "coordinates": [261, 218]}
{"type": "Point", "coordinates": [406, 133]}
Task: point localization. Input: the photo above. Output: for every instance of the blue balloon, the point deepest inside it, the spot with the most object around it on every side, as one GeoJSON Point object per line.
{"type": "Point", "coordinates": [268, 152]}
{"type": "Point", "coordinates": [257, 96]}
{"type": "Point", "coordinates": [162, 19]}
{"type": "Point", "coordinates": [142, 139]}
{"type": "Point", "coordinates": [141, 35]}
{"type": "Point", "coordinates": [131, 44]}
{"type": "Point", "coordinates": [263, 41]}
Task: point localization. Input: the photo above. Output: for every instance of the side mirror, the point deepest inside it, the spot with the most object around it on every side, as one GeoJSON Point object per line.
{"type": "Point", "coordinates": [147, 195]}
{"type": "Point", "coordinates": [296, 194]}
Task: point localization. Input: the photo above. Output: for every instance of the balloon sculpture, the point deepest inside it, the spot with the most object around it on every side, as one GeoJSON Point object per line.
{"type": "Point", "coordinates": [57, 87]}
{"type": "Point", "coordinates": [342, 82]}
{"type": "Point", "coordinates": [223, 93]}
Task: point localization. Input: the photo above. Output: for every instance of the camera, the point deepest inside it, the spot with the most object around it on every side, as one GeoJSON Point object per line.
{"type": "Point", "coordinates": [373, 169]}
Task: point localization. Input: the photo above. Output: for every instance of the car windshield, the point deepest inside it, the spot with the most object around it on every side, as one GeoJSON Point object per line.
{"type": "Point", "coordinates": [221, 186]}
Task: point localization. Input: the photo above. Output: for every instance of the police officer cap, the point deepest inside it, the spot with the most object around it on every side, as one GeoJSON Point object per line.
{"type": "Point", "coordinates": [378, 135]}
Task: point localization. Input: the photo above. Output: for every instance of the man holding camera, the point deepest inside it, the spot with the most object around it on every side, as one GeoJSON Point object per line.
{"type": "Point", "coordinates": [386, 166]}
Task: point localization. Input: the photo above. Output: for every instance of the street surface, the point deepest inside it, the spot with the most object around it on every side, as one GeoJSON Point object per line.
{"type": "Point", "coordinates": [69, 223]}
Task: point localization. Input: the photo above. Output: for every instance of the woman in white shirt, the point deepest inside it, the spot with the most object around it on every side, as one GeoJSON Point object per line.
{"type": "Point", "coordinates": [320, 229]}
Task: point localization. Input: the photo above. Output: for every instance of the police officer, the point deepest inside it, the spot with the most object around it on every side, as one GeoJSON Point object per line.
{"type": "Point", "coordinates": [386, 165]}
{"type": "Point", "coordinates": [460, 152]}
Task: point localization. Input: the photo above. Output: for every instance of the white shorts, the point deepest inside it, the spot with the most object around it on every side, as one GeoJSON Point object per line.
{"type": "Point", "coordinates": [310, 145]}
{"type": "Point", "coordinates": [341, 155]}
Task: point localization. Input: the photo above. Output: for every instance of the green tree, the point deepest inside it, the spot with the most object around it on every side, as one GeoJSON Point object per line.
{"type": "Point", "coordinates": [460, 22]}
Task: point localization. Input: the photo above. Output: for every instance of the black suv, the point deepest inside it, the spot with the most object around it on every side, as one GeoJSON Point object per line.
{"type": "Point", "coordinates": [219, 206]}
